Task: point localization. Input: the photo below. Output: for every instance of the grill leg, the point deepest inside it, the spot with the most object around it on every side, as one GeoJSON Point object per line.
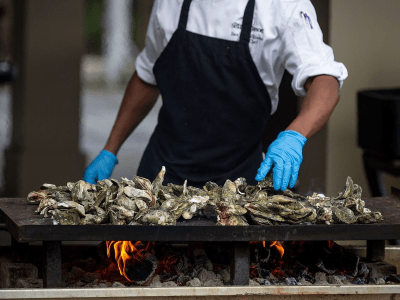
{"type": "Point", "coordinates": [240, 263]}
{"type": "Point", "coordinates": [376, 250]}
{"type": "Point", "coordinates": [52, 264]}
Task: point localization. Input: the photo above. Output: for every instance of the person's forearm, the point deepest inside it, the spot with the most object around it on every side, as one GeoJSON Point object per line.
{"type": "Point", "coordinates": [319, 103]}
{"type": "Point", "coordinates": [138, 100]}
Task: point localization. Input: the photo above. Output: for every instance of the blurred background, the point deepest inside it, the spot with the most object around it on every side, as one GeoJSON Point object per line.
{"type": "Point", "coordinates": [64, 66]}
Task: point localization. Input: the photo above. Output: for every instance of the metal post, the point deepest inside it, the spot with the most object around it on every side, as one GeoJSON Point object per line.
{"type": "Point", "coordinates": [52, 264]}
{"type": "Point", "coordinates": [376, 250]}
{"type": "Point", "coordinates": [240, 263]}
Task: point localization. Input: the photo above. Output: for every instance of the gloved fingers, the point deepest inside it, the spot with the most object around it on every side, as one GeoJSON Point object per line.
{"type": "Point", "coordinates": [295, 174]}
{"type": "Point", "coordinates": [89, 175]}
{"type": "Point", "coordinates": [278, 174]}
{"type": "Point", "coordinates": [264, 168]}
{"type": "Point", "coordinates": [287, 172]}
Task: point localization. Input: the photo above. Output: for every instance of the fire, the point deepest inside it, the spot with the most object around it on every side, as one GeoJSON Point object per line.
{"type": "Point", "coordinates": [125, 252]}
{"type": "Point", "coordinates": [278, 246]}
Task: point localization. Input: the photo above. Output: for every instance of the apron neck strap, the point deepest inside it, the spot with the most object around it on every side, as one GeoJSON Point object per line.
{"type": "Point", "coordinates": [246, 25]}
{"type": "Point", "coordinates": [247, 22]}
{"type": "Point", "coordinates": [184, 14]}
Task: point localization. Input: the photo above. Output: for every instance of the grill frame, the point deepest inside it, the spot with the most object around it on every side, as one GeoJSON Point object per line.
{"type": "Point", "coordinates": [25, 226]}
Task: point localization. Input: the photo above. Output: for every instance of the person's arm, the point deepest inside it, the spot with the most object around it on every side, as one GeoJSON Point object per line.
{"type": "Point", "coordinates": [319, 103]}
{"type": "Point", "coordinates": [285, 153]}
{"type": "Point", "coordinates": [138, 100]}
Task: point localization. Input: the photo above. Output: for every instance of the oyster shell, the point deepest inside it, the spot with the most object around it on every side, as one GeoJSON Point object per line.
{"type": "Point", "coordinates": [158, 181]}
{"type": "Point", "coordinates": [121, 213]}
{"type": "Point", "coordinates": [232, 221]}
{"type": "Point", "coordinates": [71, 204]}
{"type": "Point", "coordinates": [229, 192]}
{"type": "Point", "coordinates": [156, 217]}
{"type": "Point", "coordinates": [368, 218]}
{"type": "Point", "coordinates": [241, 185]}
{"type": "Point", "coordinates": [66, 217]}
{"type": "Point", "coordinates": [127, 203]}
{"type": "Point", "coordinates": [46, 202]}
{"type": "Point", "coordinates": [196, 203]}
{"type": "Point", "coordinates": [82, 190]}
{"type": "Point", "coordinates": [144, 195]}
{"type": "Point", "coordinates": [34, 197]}
{"type": "Point", "coordinates": [343, 215]}
{"type": "Point", "coordinates": [140, 204]}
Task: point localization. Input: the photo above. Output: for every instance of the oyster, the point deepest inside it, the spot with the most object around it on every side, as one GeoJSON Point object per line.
{"type": "Point", "coordinates": [343, 215]}
{"type": "Point", "coordinates": [368, 218]}
{"type": "Point", "coordinates": [233, 221]}
{"type": "Point", "coordinates": [97, 214]}
{"type": "Point", "coordinates": [196, 203]}
{"type": "Point", "coordinates": [324, 215]}
{"type": "Point", "coordinates": [142, 183]}
{"type": "Point", "coordinates": [348, 189]}
{"type": "Point", "coordinates": [140, 204]}
{"type": "Point", "coordinates": [121, 213]}
{"type": "Point", "coordinates": [231, 214]}
{"type": "Point", "coordinates": [144, 195]}
{"type": "Point", "coordinates": [229, 192]}
{"type": "Point", "coordinates": [66, 217]}
{"type": "Point", "coordinates": [156, 217]}
{"type": "Point", "coordinates": [241, 185]}
{"type": "Point", "coordinates": [127, 203]}
{"type": "Point", "coordinates": [34, 197]}
{"type": "Point", "coordinates": [71, 204]}
{"type": "Point", "coordinates": [157, 183]}
{"type": "Point", "coordinates": [46, 202]}
{"type": "Point", "coordinates": [82, 190]}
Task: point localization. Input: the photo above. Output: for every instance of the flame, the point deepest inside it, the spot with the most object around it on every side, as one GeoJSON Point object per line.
{"type": "Point", "coordinates": [279, 247]}
{"type": "Point", "coordinates": [126, 252]}
{"type": "Point", "coordinates": [263, 242]}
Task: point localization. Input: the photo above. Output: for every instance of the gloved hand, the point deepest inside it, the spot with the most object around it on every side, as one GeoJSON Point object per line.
{"type": "Point", "coordinates": [285, 153]}
{"type": "Point", "coordinates": [101, 167]}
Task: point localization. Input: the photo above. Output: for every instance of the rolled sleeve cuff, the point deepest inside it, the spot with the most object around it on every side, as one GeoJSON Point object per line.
{"type": "Point", "coordinates": [144, 70]}
{"type": "Point", "coordinates": [303, 72]}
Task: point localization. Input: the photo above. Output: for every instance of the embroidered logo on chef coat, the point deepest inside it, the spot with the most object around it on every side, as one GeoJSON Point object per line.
{"type": "Point", "coordinates": [307, 19]}
{"type": "Point", "coordinates": [257, 34]}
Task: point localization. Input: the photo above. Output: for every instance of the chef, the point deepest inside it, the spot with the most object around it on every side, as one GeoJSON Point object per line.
{"type": "Point", "coordinates": [217, 65]}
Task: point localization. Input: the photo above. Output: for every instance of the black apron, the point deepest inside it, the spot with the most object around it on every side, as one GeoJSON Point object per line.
{"type": "Point", "coordinates": [215, 108]}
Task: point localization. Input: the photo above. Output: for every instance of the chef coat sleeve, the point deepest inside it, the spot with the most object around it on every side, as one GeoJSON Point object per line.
{"type": "Point", "coordinates": [304, 53]}
{"type": "Point", "coordinates": [152, 50]}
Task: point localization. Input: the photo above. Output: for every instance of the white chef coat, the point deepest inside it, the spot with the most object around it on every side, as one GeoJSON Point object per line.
{"type": "Point", "coordinates": [285, 35]}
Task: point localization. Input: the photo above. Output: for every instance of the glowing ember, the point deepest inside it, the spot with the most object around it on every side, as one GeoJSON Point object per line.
{"type": "Point", "coordinates": [331, 244]}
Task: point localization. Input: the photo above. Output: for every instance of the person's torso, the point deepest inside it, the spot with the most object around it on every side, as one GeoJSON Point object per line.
{"type": "Point", "coordinates": [222, 19]}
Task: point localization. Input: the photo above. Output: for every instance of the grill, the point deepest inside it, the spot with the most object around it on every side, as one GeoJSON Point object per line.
{"type": "Point", "coordinates": [26, 226]}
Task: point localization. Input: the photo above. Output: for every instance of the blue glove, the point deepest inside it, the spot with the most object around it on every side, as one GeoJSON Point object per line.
{"type": "Point", "coordinates": [101, 167]}
{"type": "Point", "coordinates": [285, 153]}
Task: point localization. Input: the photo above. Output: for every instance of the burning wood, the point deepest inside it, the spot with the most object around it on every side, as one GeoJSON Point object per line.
{"type": "Point", "coordinates": [134, 260]}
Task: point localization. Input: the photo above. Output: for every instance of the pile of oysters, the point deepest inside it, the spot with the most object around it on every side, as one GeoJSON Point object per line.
{"type": "Point", "coordinates": [141, 202]}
